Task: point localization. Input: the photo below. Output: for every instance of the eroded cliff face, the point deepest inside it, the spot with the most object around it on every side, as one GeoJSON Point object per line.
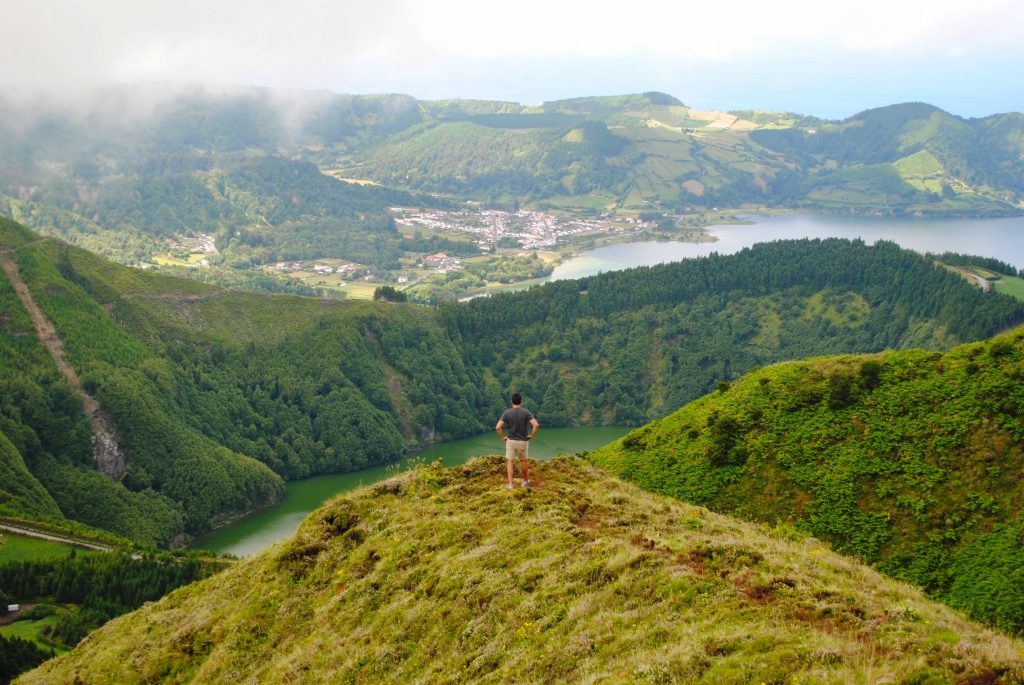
{"type": "Point", "coordinates": [108, 450]}
{"type": "Point", "coordinates": [106, 445]}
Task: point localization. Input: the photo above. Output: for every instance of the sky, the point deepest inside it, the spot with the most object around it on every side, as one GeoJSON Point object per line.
{"type": "Point", "coordinates": [821, 58]}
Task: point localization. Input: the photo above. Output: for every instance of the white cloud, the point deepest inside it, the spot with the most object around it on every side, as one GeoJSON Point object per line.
{"type": "Point", "coordinates": [444, 45]}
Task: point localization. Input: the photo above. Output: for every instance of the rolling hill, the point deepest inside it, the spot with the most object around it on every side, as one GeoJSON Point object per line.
{"type": "Point", "coordinates": [133, 167]}
{"type": "Point", "coordinates": [443, 576]}
{"type": "Point", "coordinates": [909, 460]}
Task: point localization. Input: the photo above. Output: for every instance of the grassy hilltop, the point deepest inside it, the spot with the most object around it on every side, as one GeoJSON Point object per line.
{"type": "Point", "coordinates": [218, 395]}
{"type": "Point", "coordinates": [444, 576]}
{"type": "Point", "coordinates": [910, 460]}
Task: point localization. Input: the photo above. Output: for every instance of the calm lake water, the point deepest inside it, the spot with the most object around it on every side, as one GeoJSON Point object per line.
{"type": "Point", "coordinates": [262, 529]}
{"type": "Point", "coordinates": [999, 238]}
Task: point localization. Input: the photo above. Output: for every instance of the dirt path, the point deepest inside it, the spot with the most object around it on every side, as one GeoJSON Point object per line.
{"type": "Point", "coordinates": [110, 458]}
{"type": "Point", "coordinates": [29, 533]}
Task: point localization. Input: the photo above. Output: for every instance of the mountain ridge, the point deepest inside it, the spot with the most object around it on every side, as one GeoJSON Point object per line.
{"type": "Point", "coordinates": [442, 575]}
{"type": "Point", "coordinates": [910, 460]}
{"type": "Point", "coordinates": [239, 165]}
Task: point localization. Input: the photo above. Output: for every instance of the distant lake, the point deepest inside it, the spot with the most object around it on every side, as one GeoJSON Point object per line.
{"type": "Point", "coordinates": [999, 238]}
{"type": "Point", "coordinates": [262, 529]}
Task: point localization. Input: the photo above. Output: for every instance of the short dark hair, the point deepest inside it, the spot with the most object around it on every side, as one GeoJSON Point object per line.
{"type": "Point", "coordinates": [517, 398]}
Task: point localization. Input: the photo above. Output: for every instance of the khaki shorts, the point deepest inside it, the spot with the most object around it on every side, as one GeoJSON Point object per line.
{"type": "Point", "coordinates": [516, 448]}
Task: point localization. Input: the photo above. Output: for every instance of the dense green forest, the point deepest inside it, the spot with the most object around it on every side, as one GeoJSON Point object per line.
{"type": "Point", "coordinates": [218, 395]}
{"type": "Point", "coordinates": [18, 655]}
{"type": "Point", "coordinates": [99, 585]}
{"type": "Point", "coordinates": [628, 346]}
{"type": "Point", "coordinates": [84, 591]}
{"type": "Point", "coordinates": [909, 460]}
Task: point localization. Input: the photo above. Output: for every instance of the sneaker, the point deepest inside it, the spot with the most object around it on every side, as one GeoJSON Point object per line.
{"type": "Point", "coordinates": [510, 486]}
{"type": "Point", "coordinates": [527, 483]}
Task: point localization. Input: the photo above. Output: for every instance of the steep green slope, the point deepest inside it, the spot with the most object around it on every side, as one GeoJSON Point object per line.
{"type": "Point", "coordinates": [444, 576]}
{"type": "Point", "coordinates": [910, 460]}
{"type": "Point", "coordinates": [49, 435]}
{"type": "Point", "coordinates": [212, 391]}
{"type": "Point", "coordinates": [216, 395]}
{"type": "Point", "coordinates": [20, 493]}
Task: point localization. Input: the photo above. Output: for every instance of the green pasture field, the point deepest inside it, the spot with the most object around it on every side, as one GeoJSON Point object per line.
{"type": "Point", "coordinates": [360, 290]}
{"type": "Point", "coordinates": [22, 548]}
{"type": "Point", "coordinates": [1011, 285]}
{"type": "Point", "coordinates": [30, 630]}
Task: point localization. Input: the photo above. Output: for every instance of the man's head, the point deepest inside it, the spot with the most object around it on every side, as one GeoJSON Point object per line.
{"type": "Point", "coordinates": [517, 399]}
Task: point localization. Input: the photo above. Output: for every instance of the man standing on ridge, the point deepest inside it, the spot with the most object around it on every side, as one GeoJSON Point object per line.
{"type": "Point", "coordinates": [516, 441]}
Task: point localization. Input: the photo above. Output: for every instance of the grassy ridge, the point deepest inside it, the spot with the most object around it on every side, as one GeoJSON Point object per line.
{"type": "Point", "coordinates": [444, 576]}
{"type": "Point", "coordinates": [910, 460]}
{"type": "Point", "coordinates": [218, 395]}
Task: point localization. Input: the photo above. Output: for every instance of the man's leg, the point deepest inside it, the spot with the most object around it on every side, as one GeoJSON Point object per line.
{"type": "Point", "coordinates": [524, 468]}
{"type": "Point", "coordinates": [511, 468]}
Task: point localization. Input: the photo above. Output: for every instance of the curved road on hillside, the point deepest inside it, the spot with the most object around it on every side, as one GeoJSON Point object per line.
{"type": "Point", "coordinates": [28, 532]}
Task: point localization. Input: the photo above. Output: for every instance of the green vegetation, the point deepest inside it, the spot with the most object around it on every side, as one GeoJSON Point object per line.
{"type": "Point", "coordinates": [908, 460]}
{"type": "Point", "coordinates": [244, 169]}
{"type": "Point", "coordinates": [218, 395]}
{"type": "Point", "coordinates": [477, 275]}
{"type": "Point", "coordinates": [1011, 285]}
{"type": "Point", "coordinates": [389, 294]}
{"type": "Point", "coordinates": [625, 347]}
{"type": "Point", "coordinates": [100, 586]}
{"type": "Point", "coordinates": [14, 547]}
{"type": "Point", "coordinates": [194, 378]}
{"type": "Point", "coordinates": [75, 594]}
{"type": "Point", "coordinates": [444, 576]}
{"type": "Point", "coordinates": [18, 655]}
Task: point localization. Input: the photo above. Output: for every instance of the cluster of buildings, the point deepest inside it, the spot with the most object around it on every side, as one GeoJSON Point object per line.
{"type": "Point", "coordinates": [317, 268]}
{"type": "Point", "coordinates": [531, 229]}
{"type": "Point", "coordinates": [441, 262]}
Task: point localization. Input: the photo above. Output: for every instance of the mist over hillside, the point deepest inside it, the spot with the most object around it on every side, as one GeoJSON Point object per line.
{"type": "Point", "coordinates": [122, 169]}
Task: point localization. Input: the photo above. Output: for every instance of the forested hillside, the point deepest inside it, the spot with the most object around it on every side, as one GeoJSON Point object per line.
{"type": "Point", "coordinates": [629, 346]}
{"type": "Point", "coordinates": [441, 576]}
{"type": "Point", "coordinates": [909, 460]}
{"type": "Point", "coordinates": [217, 395]}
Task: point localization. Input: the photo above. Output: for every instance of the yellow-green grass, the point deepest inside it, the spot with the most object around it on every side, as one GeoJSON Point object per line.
{"type": "Point", "coordinates": [1011, 285]}
{"type": "Point", "coordinates": [444, 576]}
{"type": "Point", "coordinates": [359, 290]}
{"type": "Point", "coordinates": [164, 259]}
{"type": "Point", "coordinates": [30, 630]}
{"type": "Point", "coordinates": [922, 163]}
{"type": "Point", "coordinates": [23, 548]}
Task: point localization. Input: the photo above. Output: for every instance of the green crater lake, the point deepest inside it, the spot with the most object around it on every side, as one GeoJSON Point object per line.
{"type": "Point", "coordinates": [254, 533]}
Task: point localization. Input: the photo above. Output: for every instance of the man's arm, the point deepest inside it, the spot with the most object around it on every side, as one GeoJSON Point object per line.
{"type": "Point", "coordinates": [536, 427]}
{"type": "Point", "coordinates": [497, 429]}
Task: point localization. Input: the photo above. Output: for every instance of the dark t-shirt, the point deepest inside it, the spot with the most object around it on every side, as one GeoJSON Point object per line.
{"type": "Point", "coordinates": [516, 421]}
